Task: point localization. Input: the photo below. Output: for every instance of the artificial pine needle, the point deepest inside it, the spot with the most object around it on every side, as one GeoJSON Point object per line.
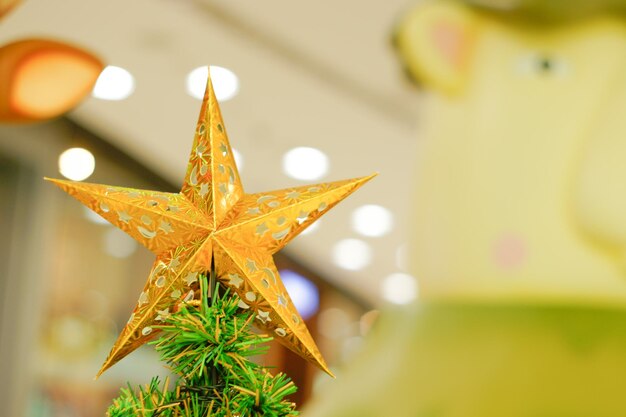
{"type": "Point", "coordinates": [209, 346]}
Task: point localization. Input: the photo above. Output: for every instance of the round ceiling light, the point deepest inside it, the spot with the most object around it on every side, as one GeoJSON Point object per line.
{"type": "Point", "coordinates": [400, 288]}
{"type": "Point", "coordinates": [304, 163]}
{"type": "Point", "coordinates": [225, 82]}
{"type": "Point", "coordinates": [352, 254]}
{"type": "Point", "coordinates": [303, 292]}
{"type": "Point", "coordinates": [76, 164]}
{"type": "Point", "coordinates": [372, 220]}
{"type": "Point", "coordinates": [114, 83]}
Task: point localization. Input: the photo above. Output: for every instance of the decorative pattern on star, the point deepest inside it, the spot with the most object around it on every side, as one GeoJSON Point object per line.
{"type": "Point", "coordinates": [212, 221]}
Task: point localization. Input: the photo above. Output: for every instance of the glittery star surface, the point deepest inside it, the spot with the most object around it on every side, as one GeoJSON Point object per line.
{"type": "Point", "coordinates": [210, 221]}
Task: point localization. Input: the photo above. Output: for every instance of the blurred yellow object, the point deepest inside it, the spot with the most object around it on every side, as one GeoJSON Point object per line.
{"type": "Point", "coordinates": [40, 79]}
{"type": "Point", "coordinates": [519, 225]}
{"type": "Point", "coordinates": [460, 360]}
{"type": "Point", "coordinates": [520, 168]}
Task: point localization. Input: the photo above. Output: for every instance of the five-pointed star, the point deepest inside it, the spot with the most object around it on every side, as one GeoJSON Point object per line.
{"type": "Point", "coordinates": [212, 220]}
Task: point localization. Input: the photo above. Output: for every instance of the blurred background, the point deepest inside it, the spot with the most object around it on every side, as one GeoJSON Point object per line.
{"type": "Point", "coordinates": [309, 93]}
{"type": "Point", "coordinates": [491, 244]}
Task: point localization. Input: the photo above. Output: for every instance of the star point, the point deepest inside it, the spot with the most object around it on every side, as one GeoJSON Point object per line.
{"type": "Point", "coordinates": [213, 222]}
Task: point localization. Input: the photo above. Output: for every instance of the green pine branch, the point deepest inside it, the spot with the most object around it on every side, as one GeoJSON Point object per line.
{"type": "Point", "coordinates": [208, 347]}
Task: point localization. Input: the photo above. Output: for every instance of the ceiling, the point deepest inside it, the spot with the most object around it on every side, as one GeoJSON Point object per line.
{"type": "Point", "coordinates": [318, 74]}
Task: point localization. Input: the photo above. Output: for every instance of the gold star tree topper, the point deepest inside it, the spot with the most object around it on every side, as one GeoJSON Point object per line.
{"type": "Point", "coordinates": [210, 221]}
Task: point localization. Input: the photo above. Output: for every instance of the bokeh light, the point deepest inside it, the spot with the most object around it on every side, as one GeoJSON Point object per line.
{"type": "Point", "coordinates": [304, 163]}
{"type": "Point", "coordinates": [372, 220]}
{"type": "Point", "coordinates": [399, 288]}
{"type": "Point", "coordinates": [225, 82]}
{"type": "Point", "coordinates": [352, 254]}
{"type": "Point", "coordinates": [114, 83]}
{"type": "Point", "coordinates": [303, 292]}
{"type": "Point", "coordinates": [77, 164]}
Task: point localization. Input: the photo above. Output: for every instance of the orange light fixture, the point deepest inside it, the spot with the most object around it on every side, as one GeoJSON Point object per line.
{"type": "Point", "coordinates": [7, 5]}
{"type": "Point", "coordinates": [41, 79]}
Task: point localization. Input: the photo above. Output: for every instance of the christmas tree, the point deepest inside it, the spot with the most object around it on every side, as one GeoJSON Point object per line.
{"type": "Point", "coordinates": [208, 345]}
{"type": "Point", "coordinates": [213, 278]}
